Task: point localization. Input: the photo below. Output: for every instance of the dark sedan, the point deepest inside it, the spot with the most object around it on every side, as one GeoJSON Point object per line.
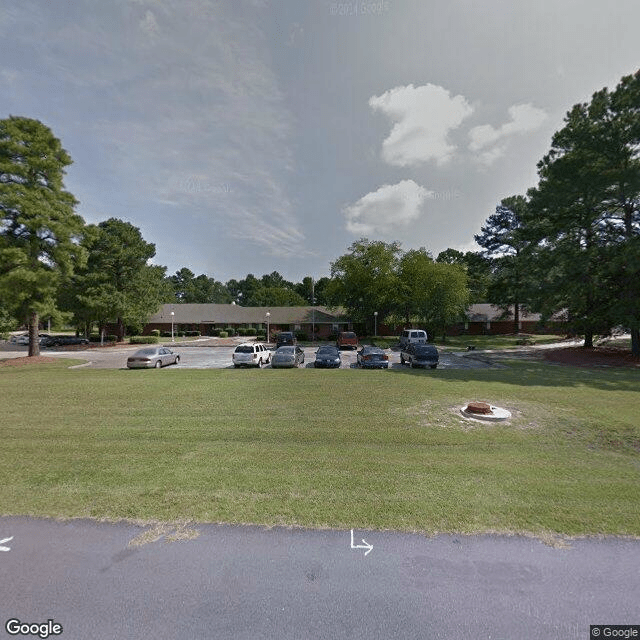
{"type": "Point", "coordinates": [290, 356]}
{"type": "Point", "coordinates": [328, 357]}
{"type": "Point", "coordinates": [373, 358]}
{"type": "Point", "coordinates": [420, 355]}
{"type": "Point", "coordinates": [152, 357]}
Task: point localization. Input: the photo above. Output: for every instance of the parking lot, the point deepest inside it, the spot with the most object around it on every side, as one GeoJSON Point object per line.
{"type": "Point", "coordinates": [212, 357]}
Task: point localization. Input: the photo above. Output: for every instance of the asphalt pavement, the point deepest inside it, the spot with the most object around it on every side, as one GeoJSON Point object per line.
{"type": "Point", "coordinates": [203, 355]}
{"type": "Point", "coordinates": [124, 581]}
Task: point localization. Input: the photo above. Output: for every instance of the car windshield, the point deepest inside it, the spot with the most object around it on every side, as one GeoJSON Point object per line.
{"type": "Point", "coordinates": [244, 349]}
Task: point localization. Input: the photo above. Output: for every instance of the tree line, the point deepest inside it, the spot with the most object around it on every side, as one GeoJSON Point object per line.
{"type": "Point", "coordinates": [571, 244]}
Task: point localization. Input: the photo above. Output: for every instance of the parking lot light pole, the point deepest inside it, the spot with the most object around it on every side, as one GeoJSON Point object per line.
{"type": "Point", "coordinates": [172, 316]}
{"type": "Point", "coordinates": [268, 315]}
{"type": "Point", "coordinates": [375, 324]}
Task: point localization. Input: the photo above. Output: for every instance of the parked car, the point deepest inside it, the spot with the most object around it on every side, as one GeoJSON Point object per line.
{"type": "Point", "coordinates": [151, 357]}
{"type": "Point", "coordinates": [412, 336]}
{"type": "Point", "coordinates": [373, 357]}
{"type": "Point", "coordinates": [286, 338]}
{"type": "Point", "coordinates": [250, 354]}
{"type": "Point", "coordinates": [22, 339]}
{"type": "Point", "coordinates": [347, 339]}
{"type": "Point", "coordinates": [328, 356]}
{"type": "Point", "coordinates": [287, 356]}
{"type": "Point", "coordinates": [62, 341]}
{"type": "Point", "coordinates": [420, 355]}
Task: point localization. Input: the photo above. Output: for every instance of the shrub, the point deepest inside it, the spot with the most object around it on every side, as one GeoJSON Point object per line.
{"type": "Point", "coordinates": [223, 334]}
{"type": "Point", "coordinates": [241, 331]}
{"type": "Point", "coordinates": [332, 337]}
{"type": "Point", "coordinates": [192, 334]}
{"type": "Point", "coordinates": [155, 332]}
{"type": "Point", "coordinates": [250, 331]}
{"type": "Point", "coordinates": [143, 340]}
{"type": "Point", "coordinates": [261, 337]}
{"type": "Point", "coordinates": [95, 337]}
{"type": "Point", "coordinates": [230, 331]}
{"type": "Point", "coordinates": [166, 334]}
{"type": "Point", "coordinates": [301, 335]}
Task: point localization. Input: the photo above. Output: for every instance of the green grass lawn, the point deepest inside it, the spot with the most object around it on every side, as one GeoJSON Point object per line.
{"type": "Point", "coordinates": [454, 343]}
{"type": "Point", "coordinates": [317, 448]}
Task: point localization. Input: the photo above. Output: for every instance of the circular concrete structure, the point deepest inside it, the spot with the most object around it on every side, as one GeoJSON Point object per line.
{"type": "Point", "coordinates": [495, 414]}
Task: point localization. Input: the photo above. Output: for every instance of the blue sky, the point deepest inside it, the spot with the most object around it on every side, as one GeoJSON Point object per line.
{"type": "Point", "coordinates": [247, 136]}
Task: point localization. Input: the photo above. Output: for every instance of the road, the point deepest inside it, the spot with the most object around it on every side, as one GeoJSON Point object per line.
{"type": "Point", "coordinates": [254, 583]}
{"type": "Point", "coordinates": [214, 357]}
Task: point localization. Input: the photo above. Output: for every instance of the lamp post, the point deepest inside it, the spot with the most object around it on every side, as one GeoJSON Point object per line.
{"type": "Point", "coordinates": [313, 312]}
{"type": "Point", "coordinates": [172, 316]}
{"type": "Point", "coordinates": [375, 324]}
{"type": "Point", "coordinates": [267, 315]}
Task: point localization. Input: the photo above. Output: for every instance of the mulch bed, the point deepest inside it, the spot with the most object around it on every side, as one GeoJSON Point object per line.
{"type": "Point", "coordinates": [595, 357]}
{"type": "Point", "coordinates": [20, 362]}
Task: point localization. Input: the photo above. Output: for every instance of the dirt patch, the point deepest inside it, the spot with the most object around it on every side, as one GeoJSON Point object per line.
{"type": "Point", "coordinates": [20, 362]}
{"type": "Point", "coordinates": [595, 357]}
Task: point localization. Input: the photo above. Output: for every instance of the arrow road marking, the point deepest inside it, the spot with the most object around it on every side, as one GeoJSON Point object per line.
{"type": "Point", "coordinates": [366, 545]}
{"type": "Point", "coordinates": [3, 541]}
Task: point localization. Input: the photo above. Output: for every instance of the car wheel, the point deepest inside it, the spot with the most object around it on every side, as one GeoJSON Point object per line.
{"type": "Point", "coordinates": [177, 359]}
{"type": "Point", "coordinates": [158, 364]}
{"type": "Point", "coordinates": [402, 360]}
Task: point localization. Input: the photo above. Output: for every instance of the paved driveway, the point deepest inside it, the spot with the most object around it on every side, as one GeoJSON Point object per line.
{"type": "Point", "coordinates": [207, 357]}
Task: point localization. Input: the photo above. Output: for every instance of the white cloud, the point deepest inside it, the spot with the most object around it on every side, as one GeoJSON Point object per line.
{"type": "Point", "coordinates": [485, 138]}
{"type": "Point", "coordinates": [386, 209]}
{"type": "Point", "coordinates": [423, 118]}
{"type": "Point", "coordinates": [149, 24]}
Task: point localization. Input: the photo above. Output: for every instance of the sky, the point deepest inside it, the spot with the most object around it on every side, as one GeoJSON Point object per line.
{"type": "Point", "coordinates": [251, 136]}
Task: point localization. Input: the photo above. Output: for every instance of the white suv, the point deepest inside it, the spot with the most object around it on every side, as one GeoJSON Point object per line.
{"type": "Point", "coordinates": [250, 354]}
{"type": "Point", "coordinates": [413, 336]}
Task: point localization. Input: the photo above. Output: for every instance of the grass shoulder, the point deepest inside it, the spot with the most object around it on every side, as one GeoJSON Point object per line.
{"type": "Point", "coordinates": [315, 448]}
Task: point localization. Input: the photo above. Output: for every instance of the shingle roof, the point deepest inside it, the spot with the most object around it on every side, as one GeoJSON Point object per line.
{"type": "Point", "coordinates": [484, 312]}
{"type": "Point", "coordinates": [235, 314]}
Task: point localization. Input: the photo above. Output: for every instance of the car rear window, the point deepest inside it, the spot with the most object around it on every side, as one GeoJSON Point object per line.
{"type": "Point", "coordinates": [244, 349]}
{"type": "Point", "coordinates": [424, 349]}
{"type": "Point", "coordinates": [348, 334]}
{"type": "Point", "coordinates": [146, 352]}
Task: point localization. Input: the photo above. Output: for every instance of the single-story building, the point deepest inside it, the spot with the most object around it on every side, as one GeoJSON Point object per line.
{"type": "Point", "coordinates": [207, 317]}
{"type": "Point", "coordinates": [486, 318]}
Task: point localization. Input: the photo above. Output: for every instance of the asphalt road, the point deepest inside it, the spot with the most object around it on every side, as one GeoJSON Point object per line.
{"type": "Point", "coordinates": [209, 357]}
{"type": "Point", "coordinates": [254, 583]}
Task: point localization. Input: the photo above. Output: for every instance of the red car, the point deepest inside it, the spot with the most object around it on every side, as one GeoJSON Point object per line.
{"type": "Point", "coordinates": [347, 339]}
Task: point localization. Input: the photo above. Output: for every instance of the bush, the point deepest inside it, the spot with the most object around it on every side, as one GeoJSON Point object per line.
{"type": "Point", "coordinates": [166, 334]}
{"type": "Point", "coordinates": [332, 337]}
{"type": "Point", "coordinates": [230, 331]}
{"type": "Point", "coordinates": [261, 337]}
{"type": "Point", "coordinates": [143, 340]}
{"type": "Point", "coordinates": [155, 332]}
{"type": "Point", "coordinates": [301, 336]}
{"type": "Point", "coordinates": [250, 331]}
{"type": "Point", "coordinates": [241, 331]}
{"type": "Point", "coordinates": [95, 337]}
{"type": "Point", "coordinates": [223, 334]}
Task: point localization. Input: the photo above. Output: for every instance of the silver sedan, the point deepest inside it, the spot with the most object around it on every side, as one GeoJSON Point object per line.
{"type": "Point", "coordinates": [152, 357]}
{"type": "Point", "coordinates": [287, 357]}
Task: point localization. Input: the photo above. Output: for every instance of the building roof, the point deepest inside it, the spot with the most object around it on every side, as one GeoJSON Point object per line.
{"type": "Point", "coordinates": [484, 312]}
{"type": "Point", "coordinates": [235, 314]}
